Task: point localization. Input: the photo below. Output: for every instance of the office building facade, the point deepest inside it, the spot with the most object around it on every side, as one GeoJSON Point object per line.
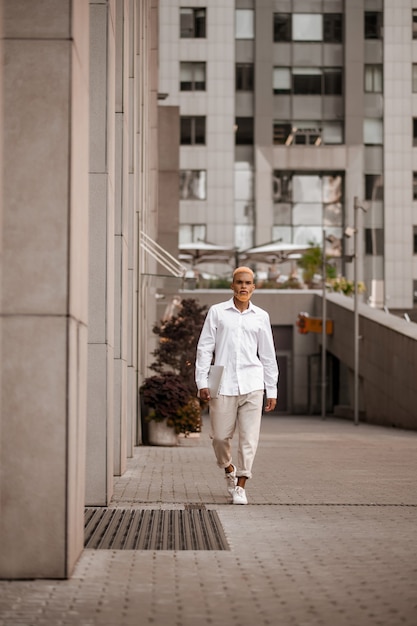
{"type": "Point", "coordinates": [293, 113]}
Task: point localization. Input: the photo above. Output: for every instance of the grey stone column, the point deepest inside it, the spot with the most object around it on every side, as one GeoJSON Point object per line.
{"type": "Point", "coordinates": [44, 302]}
{"type": "Point", "coordinates": [100, 405]}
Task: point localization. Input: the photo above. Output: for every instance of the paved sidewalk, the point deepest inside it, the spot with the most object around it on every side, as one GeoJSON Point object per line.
{"type": "Point", "coordinates": [329, 538]}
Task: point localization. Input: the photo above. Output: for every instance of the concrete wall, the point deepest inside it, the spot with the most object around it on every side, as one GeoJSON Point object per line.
{"type": "Point", "coordinates": [44, 293]}
{"type": "Point", "coordinates": [78, 82]}
{"type": "Point", "coordinates": [387, 361]}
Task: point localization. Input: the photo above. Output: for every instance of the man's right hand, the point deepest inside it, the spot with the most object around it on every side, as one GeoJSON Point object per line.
{"type": "Point", "coordinates": [205, 394]}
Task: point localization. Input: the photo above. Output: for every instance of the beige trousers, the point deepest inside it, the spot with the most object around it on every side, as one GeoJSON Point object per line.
{"type": "Point", "coordinates": [244, 413]}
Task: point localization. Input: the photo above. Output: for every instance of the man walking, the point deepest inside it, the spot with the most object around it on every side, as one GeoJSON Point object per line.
{"type": "Point", "coordinates": [238, 334]}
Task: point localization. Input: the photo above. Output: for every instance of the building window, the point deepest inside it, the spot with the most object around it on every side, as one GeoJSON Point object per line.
{"type": "Point", "coordinates": [415, 291]}
{"type": "Point", "coordinates": [414, 23]}
{"type": "Point", "coordinates": [312, 133]}
{"type": "Point", "coordinates": [281, 80]}
{"type": "Point", "coordinates": [414, 239]}
{"type": "Point", "coordinates": [192, 76]}
{"type": "Point", "coordinates": [374, 187]}
{"type": "Point", "coordinates": [307, 27]}
{"type": "Point", "coordinates": [188, 233]}
{"type": "Point", "coordinates": [372, 132]}
{"type": "Point", "coordinates": [307, 81]}
{"type": "Point", "coordinates": [414, 131]}
{"type": "Point", "coordinates": [374, 241]}
{"type": "Point", "coordinates": [373, 25]}
{"type": "Point", "coordinates": [305, 203]}
{"type": "Point", "coordinates": [414, 77]}
{"type": "Point", "coordinates": [282, 27]}
{"type": "Point", "coordinates": [244, 24]}
{"type": "Point", "coordinates": [193, 130]}
{"type": "Point", "coordinates": [332, 81]}
{"type": "Point", "coordinates": [414, 185]}
{"type": "Point", "coordinates": [244, 131]}
{"type": "Point", "coordinates": [373, 78]}
{"type": "Point", "coordinates": [193, 185]}
{"type": "Point", "coordinates": [192, 23]}
{"type": "Point", "coordinates": [333, 27]}
{"type": "Point", "coordinates": [244, 77]}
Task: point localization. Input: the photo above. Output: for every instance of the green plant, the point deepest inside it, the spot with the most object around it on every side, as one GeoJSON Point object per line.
{"type": "Point", "coordinates": [311, 263]}
{"type": "Point", "coordinates": [178, 339]}
{"type": "Point", "coordinates": [171, 394]}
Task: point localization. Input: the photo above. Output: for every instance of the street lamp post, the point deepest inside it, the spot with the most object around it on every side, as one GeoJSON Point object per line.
{"type": "Point", "coordinates": [323, 331]}
{"type": "Point", "coordinates": [357, 228]}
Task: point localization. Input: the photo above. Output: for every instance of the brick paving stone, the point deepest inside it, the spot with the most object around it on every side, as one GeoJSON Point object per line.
{"type": "Point", "coordinates": [328, 538]}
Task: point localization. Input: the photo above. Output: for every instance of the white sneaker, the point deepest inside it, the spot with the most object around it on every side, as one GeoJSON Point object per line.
{"type": "Point", "coordinates": [231, 481]}
{"type": "Point", "coordinates": [239, 496]}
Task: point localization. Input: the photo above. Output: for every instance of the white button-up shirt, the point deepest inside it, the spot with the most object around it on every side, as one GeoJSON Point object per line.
{"type": "Point", "coordinates": [243, 344]}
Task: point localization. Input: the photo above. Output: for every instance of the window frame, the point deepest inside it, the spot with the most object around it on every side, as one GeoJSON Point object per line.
{"type": "Point", "coordinates": [373, 25]}
{"type": "Point", "coordinates": [194, 131]}
{"type": "Point", "coordinates": [246, 136]}
{"type": "Point", "coordinates": [193, 198]}
{"type": "Point", "coordinates": [287, 28]}
{"type": "Point", "coordinates": [196, 23]}
{"type": "Point", "coordinates": [333, 37]}
{"type": "Point", "coordinates": [374, 72]}
{"type": "Point", "coordinates": [194, 66]}
{"type": "Point", "coordinates": [244, 76]}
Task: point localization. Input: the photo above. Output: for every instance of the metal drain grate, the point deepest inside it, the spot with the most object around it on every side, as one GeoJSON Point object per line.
{"type": "Point", "coordinates": [139, 529]}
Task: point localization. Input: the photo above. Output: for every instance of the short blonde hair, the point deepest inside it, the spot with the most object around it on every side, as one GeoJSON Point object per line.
{"type": "Point", "coordinates": [243, 269]}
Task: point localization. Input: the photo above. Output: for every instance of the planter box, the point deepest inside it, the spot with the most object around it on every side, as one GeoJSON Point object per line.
{"type": "Point", "coordinates": [159, 434]}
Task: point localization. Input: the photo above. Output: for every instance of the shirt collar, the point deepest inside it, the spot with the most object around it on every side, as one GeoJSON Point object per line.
{"type": "Point", "coordinates": [231, 305]}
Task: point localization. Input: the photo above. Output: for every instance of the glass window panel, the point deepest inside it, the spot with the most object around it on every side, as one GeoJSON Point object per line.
{"type": "Point", "coordinates": [333, 27]}
{"type": "Point", "coordinates": [307, 81]}
{"type": "Point", "coordinates": [307, 27]}
{"type": "Point", "coordinates": [374, 241]}
{"type": "Point", "coordinates": [243, 181]}
{"type": "Point", "coordinates": [333, 81]}
{"type": "Point", "coordinates": [192, 184]}
{"type": "Point", "coordinates": [374, 187]}
{"type": "Point", "coordinates": [282, 214]}
{"type": "Point", "coordinates": [373, 78]}
{"type": "Point", "coordinates": [307, 188]}
{"type": "Point", "coordinates": [373, 24]}
{"type": "Point", "coordinates": [244, 24]}
{"type": "Point", "coordinates": [185, 131]}
{"type": "Point", "coordinates": [332, 189]}
{"type": "Point", "coordinates": [332, 132]}
{"type": "Point", "coordinates": [200, 130]}
{"type": "Point", "coordinates": [304, 235]}
{"type": "Point", "coordinates": [200, 22]}
{"type": "Point", "coordinates": [414, 239]}
{"type": "Point", "coordinates": [281, 80]}
{"type": "Point", "coordinates": [191, 232]}
{"type": "Point", "coordinates": [414, 131]}
{"type": "Point", "coordinates": [186, 23]}
{"type": "Point", "coordinates": [333, 215]}
{"type": "Point", "coordinates": [282, 26]}
{"type": "Point", "coordinates": [282, 233]}
{"type": "Point", "coordinates": [414, 185]}
{"type": "Point", "coordinates": [282, 186]}
{"type": "Point", "coordinates": [372, 131]}
{"type": "Point", "coordinates": [244, 131]}
{"type": "Point", "coordinates": [414, 23]}
{"type": "Point", "coordinates": [244, 236]}
{"type": "Point", "coordinates": [244, 77]}
{"type": "Point", "coordinates": [244, 212]}
{"type": "Point", "coordinates": [282, 133]}
{"type": "Point", "coordinates": [308, 213]}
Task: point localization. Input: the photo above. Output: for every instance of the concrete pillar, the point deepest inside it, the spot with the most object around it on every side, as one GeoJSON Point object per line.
{"type": "Point", "coordinates": [100, 405]}
{"type": "Point", "coordinates": [44, 302]}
